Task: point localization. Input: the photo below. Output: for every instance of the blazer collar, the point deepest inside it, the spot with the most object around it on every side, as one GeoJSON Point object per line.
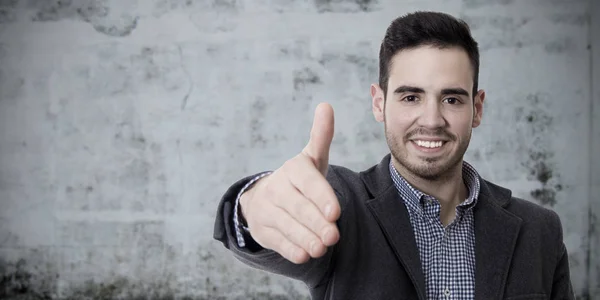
{"type": "Point", "coordinates": [386, 206]}
{"type": "Point", "coordinates": [496, 231]}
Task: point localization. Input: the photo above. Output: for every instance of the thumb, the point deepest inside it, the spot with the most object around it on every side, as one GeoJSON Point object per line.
{"type": "Point", "coordinates": [321, 136]}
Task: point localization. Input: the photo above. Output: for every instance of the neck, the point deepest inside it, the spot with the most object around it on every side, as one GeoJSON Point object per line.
{"type": "Point", "coordinates": [448, 188]}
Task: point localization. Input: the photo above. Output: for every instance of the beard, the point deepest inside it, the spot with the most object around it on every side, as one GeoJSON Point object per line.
{"type": "Point", "coordinates": [428, 168]}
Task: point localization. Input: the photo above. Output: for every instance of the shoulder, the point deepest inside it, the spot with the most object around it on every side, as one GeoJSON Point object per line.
{"type": "Point", "coordinates": [341, 172]}
{"type": "Point", "coordinates": [349, 185]}
{"type": "Point", "coordinates": [342, 179]}
{"type": "Point", "coordinates": [532, 215]}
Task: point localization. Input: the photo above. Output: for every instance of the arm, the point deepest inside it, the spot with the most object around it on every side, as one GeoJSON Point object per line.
{"type": "Point", "coordinates": [561, 285]}
{"type": "Point", "coordinates": [313, 272]}
{"type": "Point", "coordinates": [241, 228]}
{"type": "Point", "coordinates": [561, 281]}
{"type": "Point", "coordinates": [292, 214]}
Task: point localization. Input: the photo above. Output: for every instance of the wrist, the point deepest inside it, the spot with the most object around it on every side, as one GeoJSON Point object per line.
{"type": "Point", "coordinates": [242, 212]}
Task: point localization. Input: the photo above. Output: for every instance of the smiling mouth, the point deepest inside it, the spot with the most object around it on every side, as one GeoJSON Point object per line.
{"type": "Point", "coordinates": [429, 144]}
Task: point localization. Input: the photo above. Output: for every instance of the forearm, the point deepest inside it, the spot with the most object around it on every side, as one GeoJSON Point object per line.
{"type": "Point", "coordinates": [251, 253]}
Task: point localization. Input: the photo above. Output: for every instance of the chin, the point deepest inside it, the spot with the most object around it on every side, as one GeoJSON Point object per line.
{"type": "Point", "coordinates": [430, 169]}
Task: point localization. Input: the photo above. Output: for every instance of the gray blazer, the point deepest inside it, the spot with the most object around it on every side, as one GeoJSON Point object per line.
{"type": "Point", "coordinates": [519, 252]}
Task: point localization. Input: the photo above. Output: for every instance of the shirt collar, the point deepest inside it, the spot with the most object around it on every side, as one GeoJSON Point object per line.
{"type": "Point", "coordinates": [414, 197]}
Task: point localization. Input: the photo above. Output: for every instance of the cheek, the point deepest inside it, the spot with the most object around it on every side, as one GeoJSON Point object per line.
{"type": "Point", "coordinates": [462, 126]}
{"type": "Point", "coordinates": [396, 126]}
{"type": "Point", "coordinates": [396, 115]}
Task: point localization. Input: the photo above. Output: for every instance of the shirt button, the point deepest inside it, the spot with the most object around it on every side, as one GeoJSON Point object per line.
{"type": "Point", "coordinates": [447, 292]}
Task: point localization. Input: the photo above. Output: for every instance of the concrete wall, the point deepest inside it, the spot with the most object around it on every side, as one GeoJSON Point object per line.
{"type": "Point", "coordinates": [122, 123]}
{"type": "Point", "coordinates": [594, 212]}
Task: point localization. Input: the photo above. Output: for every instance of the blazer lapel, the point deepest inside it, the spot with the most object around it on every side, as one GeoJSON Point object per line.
{"type": "Point", "coordinates": [391, 214]}
{"type": "Point", "coordinates": [496, 232]}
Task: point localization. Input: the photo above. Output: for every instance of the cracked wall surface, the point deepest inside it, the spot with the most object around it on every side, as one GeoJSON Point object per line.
{"type": "Point", "coordinates": [123, 122]}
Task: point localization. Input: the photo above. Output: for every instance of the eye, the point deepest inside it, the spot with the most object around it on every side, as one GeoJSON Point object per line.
{"type": "Point", "coordinates": [410, 98]}
{"type": "Point", "coordinates": [452, 100]}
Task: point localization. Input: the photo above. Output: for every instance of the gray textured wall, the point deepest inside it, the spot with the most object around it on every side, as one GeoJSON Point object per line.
{"type": "Point", "coordinates": [123, 122]}
{"type": "Point", "coordinates": [594, 212]}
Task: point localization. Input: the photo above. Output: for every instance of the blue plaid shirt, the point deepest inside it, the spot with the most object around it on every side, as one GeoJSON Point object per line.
{"type": "Point", "coordinates": [447, 254]}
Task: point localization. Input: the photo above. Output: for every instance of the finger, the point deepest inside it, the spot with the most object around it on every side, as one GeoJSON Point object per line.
{"type": "Point", "coordinates": [313, 185]}
{"type": "Point", "coordinates": [305, 212]}
{"type": "Point", "coordinates": [321, 136]}
{"type": "Point", "coordinates": [276, 241]}
{"type": "Point", "coordinates": [295, 232]}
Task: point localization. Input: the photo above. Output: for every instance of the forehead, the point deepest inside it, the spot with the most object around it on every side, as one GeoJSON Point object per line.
{"type": "Point", "coordinates": [431, 68]}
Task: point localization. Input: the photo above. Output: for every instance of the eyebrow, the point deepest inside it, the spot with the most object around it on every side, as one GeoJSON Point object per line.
{"type": "Point", "coordinates": [417, 90]}
{"type": "Point", "coordinates": [408, 89]}
{"type": "Point", "coordinates": [455, 91]}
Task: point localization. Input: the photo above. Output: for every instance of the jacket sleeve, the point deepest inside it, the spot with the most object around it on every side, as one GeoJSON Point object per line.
{"type": "Point", "coordinates": [561, 283]}
{"type": "Point", "coordinates": [312, 273]}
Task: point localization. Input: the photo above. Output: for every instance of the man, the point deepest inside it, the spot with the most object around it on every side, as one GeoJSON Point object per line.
{"type": "Point", "coordinates": [422, 224]}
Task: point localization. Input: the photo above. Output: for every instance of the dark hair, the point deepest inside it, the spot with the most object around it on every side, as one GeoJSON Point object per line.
{"type": "Point", "coordinates": [426, 29]}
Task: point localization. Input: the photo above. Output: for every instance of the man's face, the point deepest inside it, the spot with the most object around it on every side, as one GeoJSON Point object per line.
{"type": "Point", "coordinates": [429, 110]}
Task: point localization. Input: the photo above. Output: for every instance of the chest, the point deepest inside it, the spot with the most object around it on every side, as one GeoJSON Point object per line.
{"type": "Point", "coordinates": [447, 253]}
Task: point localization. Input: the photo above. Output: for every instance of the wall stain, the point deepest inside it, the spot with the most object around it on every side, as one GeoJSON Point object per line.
{"type": "Point", "coordinates": [163, 6]}
{"type": "Point", "coordinates": [570, 19]}
{"type": "Point", "coordinates": [7, 11]}
{"type": "Point", "coordinates": [95, 12]}
{"type": "Point", "coordinates": [7, 16]}
{"type": "Point", "coordinates": [480, 3]}
{"type": "Point", "coordinates": [560, 46]}
{"type": "Point", "coordinates": [214, 121]}
{"type": "Point", "coordinates": [225, 5]}
{"type": "Point", "coordinates": [205, 145]}
{"type": "Point", "coordinates": [304, 78]}
{"type": "Point", "coordinates": [505, 24]}
{"type": "Point", "coordinates": [129, 72]}
{"type": "Point", "coordinates": [539, 161]}
{"type": "Point", "coordinates": [544, 196]}
{"type": "Point", "coordinates": [509, 42]}
{"type": "Point", "coordinates": [15, 282]}
{"type": "Point", "coordinates": [365, 68]}
{"type": "Point", "coordinates": [19, 280]}
{"type": "Point", "coordinates": [294, 50]}
{"type": "Point", "coordinates": [338, 6]}
{"type": "Point", "coordinates": [18, 285]}
{"type": "Point", "coordinates": [120, 30]}
{"type": "Point", "coordinates": [496, 29]}
{"type": "Point", "coordinates": [257, 113]}
{"type": "Point", "coordinates": [8, 3]}
{"type": "Point", "coordinates": [57, 10]}
{"type": "Point", "coordinates": [539, 168]}
{"type": "Point", "coordinates": [127, 134]}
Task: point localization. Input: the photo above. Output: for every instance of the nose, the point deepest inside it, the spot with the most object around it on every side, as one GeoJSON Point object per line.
{"type": "Point", "coordinates": [431, 115]}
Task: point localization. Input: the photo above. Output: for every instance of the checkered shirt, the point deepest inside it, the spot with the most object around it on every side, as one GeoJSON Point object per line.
{"type": "Point", "coordinates": [239, 227]}
{"type": "Point", "coordinates": [447, 254]}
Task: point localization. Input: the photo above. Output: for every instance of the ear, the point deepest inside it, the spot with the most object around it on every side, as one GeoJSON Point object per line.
{"type": "Point", "coordinates": [478, 108]}
{"type": "Point", "coordinates": [378, 102]}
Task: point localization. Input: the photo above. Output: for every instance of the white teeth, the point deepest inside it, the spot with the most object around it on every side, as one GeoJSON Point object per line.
{"type": "Point", "coordinates": [429, 144]}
